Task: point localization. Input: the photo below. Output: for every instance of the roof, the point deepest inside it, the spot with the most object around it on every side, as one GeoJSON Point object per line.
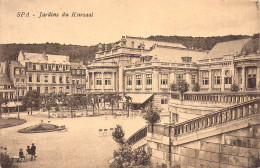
{"type": "Point", "coordinates": [169, 54]}
{"type": "Point", "coordinates": [226, 48]}
{"type": "Point", "coordinates": [139, 98]}
{"type": "Point", "coordinates": [252, 46]}
{"type": "Point", "coordinates": [4, 80]}
{"type": "Point", "coordinates": [51, 59]}
{"type": "Point", "coordinates": [75, 65]}
{"type": "Point", "coordinates": [16, 64]}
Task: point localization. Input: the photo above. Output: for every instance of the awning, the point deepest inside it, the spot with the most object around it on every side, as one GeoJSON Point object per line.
{"type": "Point", "coordinates": [11, 104]}
{"type": "Point", "coordinates": [139, 98]}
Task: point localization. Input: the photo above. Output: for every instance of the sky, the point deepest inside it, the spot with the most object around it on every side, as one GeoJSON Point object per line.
{"type": "Point", "coordinates": [113, 19]}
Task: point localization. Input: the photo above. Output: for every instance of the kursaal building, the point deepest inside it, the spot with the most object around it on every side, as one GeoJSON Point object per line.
{"type": "Point", "coordinates": [144, 70]}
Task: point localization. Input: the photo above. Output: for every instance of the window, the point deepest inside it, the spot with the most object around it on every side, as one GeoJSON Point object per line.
{"type": "Point", "coordinates": [22, 71]}
{"type": "Point", "coordinates": [49, 67]}
{"type": "Point", "coordinates": [129, 80]}
{"type": "Point", "coordinates": [38, 89]}
{"type": "Point", "coordinates": [38, 78]}
{"type": "Point", "coordinates": [46, 78]}
{"type": "Point", "coordinates": [46, 89]}
{"type": "Point", "coordinates": [107, 81]}
{"type": "Point", "coordinates": [251, 78]}
{"type": "Point", "coordinates": [17, 79]}
{"type": "Point", "coordinates": [60, 79]}
{"type": "Point", "coordinates": [138, 80]}
{"type": "Point", "coordinates": [228, 80]}
{"type": "Point", "coordinates": [57, 68]}
{"type": "Point", "coordinates": [179, 77]}
{"type": "Point", "coordinates": [193, 79]}
{"type": "Point", "coordinates": [63, 67]}
{"type": "Point", "coordinates": [22, 80]}
{"type": "Point", "coordinates": [67, 79]}
{"type": "Point", "coordinates": [30, 65]}
{"type": "Point", "coordinates": [42, 68]}
{"type": "Point", "coordinates": [34, 67]}
{"type": "Point", "coordinates": [149, 79]}
{"type": "Point", "coordinates": [164, 79]}
{"type": "Point", "coordinates": [60, 89]}
{"type": "Point", "coordinates": [67, 87]}
{"type": "Point", "coordinates": [17, 71]}
{"type": "Point", "coordinates": [22, 92]}
{"type": "Point", "coordinates": [164, 100]}
{"type": "Point", "coordinates": [73, 81]}
{"type": "Point", "coordinates": [53, 89]}
{"type": "Point", "coordinates": [217, 77]}
{"type": "Point", "coordinates": [77, 81]}
{"type": "Point", "coordinates": [17, 92]}
{"type": "Point", "coordinates": [30, 88]}
{"type": "Point", "coordinates": [205, 78]}
{"type": "Point", "coordinates": [99, 81]}
{"type": "Point", "coordinates": [30, 78]}
{"type": "Point", "coordinates": [53, 79]}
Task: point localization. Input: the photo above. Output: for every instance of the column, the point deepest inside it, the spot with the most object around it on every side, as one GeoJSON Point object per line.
{"type": "Point", "coordinates": [210, 80]}
{"type": "Point", "coordinates": [133, 82]}
{"type": "Point", "coordinates": [258, 78]}
{"type": "Point", "coordinates": [93, 81]}
{"type": "Point", "coordinates": [144, 82]}
{"type": "Point", "coordinates": [155, 82]}
{"type": "Point", "coordinates": [121, 78]}
{"type": "Point", "coordinates": [243, 85]}
{"type": "Point", "coordinates": [103, 81]}
{"type": "Point", "coordinates": [188, 80]}
{"type": "Point", "coordinates": [113, 81]}
{"type": "Point", "coordinates": [222, 80]}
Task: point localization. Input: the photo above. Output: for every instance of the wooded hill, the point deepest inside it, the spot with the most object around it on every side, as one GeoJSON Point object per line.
{"type": "Point", "coordinates": [87, 53]}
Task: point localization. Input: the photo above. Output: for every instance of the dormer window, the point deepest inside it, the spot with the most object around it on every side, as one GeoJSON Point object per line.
{"type": "Point", "coordinates": [186, 59]}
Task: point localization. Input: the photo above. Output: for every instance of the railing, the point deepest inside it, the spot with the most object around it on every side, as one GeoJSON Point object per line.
{"type": "Point", "coordinates": [101, 64]}
{"type": "Point", "coordinates": [232, 113]}
{"type": "Point", "coordinates": [164, 64]}
{"type": "Point", "coordinates": [140, 134]}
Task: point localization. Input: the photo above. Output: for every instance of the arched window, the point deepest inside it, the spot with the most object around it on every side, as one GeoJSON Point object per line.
{"type": "Point", "coordinates": [17, 71]}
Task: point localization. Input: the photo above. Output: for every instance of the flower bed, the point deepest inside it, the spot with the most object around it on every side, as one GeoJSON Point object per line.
{"type": "Point", "coordinates": [10, 122]}
{"type": "Point", "coordinates": [40, 128]}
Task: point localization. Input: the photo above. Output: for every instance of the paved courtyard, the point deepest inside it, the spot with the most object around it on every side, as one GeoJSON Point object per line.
{"type": "Point", "coordinates": [81, 146]}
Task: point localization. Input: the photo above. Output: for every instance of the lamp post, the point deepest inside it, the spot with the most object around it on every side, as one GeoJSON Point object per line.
{"type": "Point", "coordinates": [17, 95]}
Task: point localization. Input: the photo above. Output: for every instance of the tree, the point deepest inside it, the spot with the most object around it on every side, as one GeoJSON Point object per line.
{"type": "Point", "coordinates": [71, 102]}
{"type": "Point", "coordinates": [85, 102]}
{"type": "Point", "coordinates": [196, 87]}
{"type": "Point", "coordinates": [125, 157]}
{"type": "Point", "coordinates": [118, 134]}
{"type": "Point", "coordinates": [32, 99]}
{"type": "Point", "coordinates": [182, 86]}
{"type": "Point", "coordinates": [49, 102]}
{"type": "Point", "coordinates": [128, 101]}
{"type": "Point", "coordinates": [93, 101]}
{"type": "Point", "coordinates": [114, 98]}
{"type": "Point", "coordinates": [152, 116]}
{"type": "Point", "coordinates": [2, 102]}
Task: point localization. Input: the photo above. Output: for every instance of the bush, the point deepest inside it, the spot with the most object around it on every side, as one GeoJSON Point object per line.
{"type": "Point", "coordinates": [234, 88]}
{"type": "Point", "coordinates": [118, 134]}
{"type": "Point", "coordinates": [125, 157]}
{"type": "Point", "coordinates": [5, 161]}
{"type": "Point", "coordinates": [196, 87]}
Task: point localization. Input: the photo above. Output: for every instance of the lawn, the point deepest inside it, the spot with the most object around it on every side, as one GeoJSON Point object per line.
{"type": "Point", "coordinates": [10, 122]}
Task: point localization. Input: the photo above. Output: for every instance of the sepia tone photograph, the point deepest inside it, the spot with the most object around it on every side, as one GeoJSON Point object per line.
{"type": "Point", "coordinates": [130, 84]}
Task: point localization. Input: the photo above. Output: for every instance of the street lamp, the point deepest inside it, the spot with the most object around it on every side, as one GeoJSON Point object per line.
{"type": "Point", "coordinates": [17, 95]}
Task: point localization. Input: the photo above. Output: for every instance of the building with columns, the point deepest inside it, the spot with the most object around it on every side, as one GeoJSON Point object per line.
{"type": "Point", "coordinates": [144, 69]}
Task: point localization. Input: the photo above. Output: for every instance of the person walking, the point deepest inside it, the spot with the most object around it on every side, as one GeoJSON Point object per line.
{"type": "Point", "coordinates": [33, 151]}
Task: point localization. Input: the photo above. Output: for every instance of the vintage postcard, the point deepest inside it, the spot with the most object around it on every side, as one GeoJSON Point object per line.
{"type": "Point", "coordinates": [129, 84]}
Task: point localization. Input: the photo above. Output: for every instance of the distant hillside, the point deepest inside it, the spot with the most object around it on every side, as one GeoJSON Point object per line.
{"type": "Point", "coordinates": [87, 53]}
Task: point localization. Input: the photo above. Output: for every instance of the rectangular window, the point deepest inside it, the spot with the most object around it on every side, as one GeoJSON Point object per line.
{"type": "Point", "coordinates": [107, 81]}
{"type": "Point", "coordinates": [60, 89]}
{"type": "Point", "coordinates": [217, 80]}
{"type": "Point", "coordinates": [46, 89]}
{"type": "Point", "coordinates": [53, 89]}
{"type": "Point", "coordinates": [205, 78]}
{"type": "Point", "coordinates": [22, 92]}
{"type": "Point", "coordinates": [30, 65]}
{"type": "Point", "coordinates": [77, 81]}
{"type": "Point", "coordinates": [67, 87]}
{"type": "Point", "coordinates": [38, 89]}
{"type": "Point", "coordinates": [228, 80]}
{"type": "Point", "coordinates": [38, 78]}
{"type": "Point", "coordinates": [251, 78]}
{"type": "Point", "coordinates": [138, 80]}
{"type": "Point", "coordinates": [57, 68]}
{"type": "Point", "coordinates": [164, 100]}
{"type": "Point", "coordinates": [34, 67]}
{"type": "Point", "coordinates": [60, 79]}
{"type": "Point", "coordinates": [30, 78]}
{"type": "Point", "coordinates": [193, 79]}
{"type": "Point", "coordinates": [49, 67]}
{"type": "Point", "coordinates": [53, 79]}
{"type": "Point", "coordinates": [30, 88]}
{"type": "Point", "coordinates": [45, 78]}
{"type": "Point", "coordinates": [67, 79]}
{"type": "Point", "coordinates": [164, 79]}
{"type": "Point", "coordinates": [129, 80]}
{"type": "Point", "coordinates": [99, 81]}
{"type": "Point", "coordinates": [22, 80]}
{"type": "Point", "coordinates": [149, 79]}
{"type": "Point", "coordinates": [42, 68]}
